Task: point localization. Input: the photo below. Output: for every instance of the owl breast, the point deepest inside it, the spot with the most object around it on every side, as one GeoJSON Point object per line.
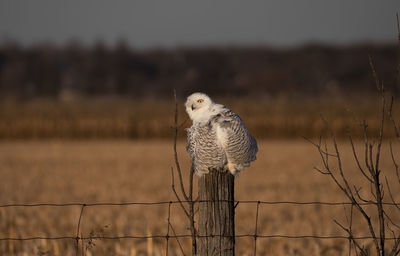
{"type": "Point", "coordinates": [205, 148]}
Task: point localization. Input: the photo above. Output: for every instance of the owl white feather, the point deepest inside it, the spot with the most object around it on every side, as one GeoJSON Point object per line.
{"type": "Point", "coordinates": [217, 139]}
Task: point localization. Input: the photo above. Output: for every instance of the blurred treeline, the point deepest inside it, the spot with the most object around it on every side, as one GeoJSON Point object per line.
{"type": "Point", "coordinates": [77, 91]}
{"type": "Point", "coordinates": [48, 71]}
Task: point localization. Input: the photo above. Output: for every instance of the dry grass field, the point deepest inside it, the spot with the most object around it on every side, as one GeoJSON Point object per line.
{"type": "Point", "coordinates": [57, 171]}
{"type": "Point", "coordinates": [265, 116]}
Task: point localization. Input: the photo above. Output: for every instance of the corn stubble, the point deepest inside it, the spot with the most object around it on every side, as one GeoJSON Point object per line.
{"type": "Point", "coordinates": [55, 171]}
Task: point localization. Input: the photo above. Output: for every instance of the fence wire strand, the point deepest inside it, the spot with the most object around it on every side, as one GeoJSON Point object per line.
{"type": "Point", "coordinates": [77, 237]}
{"type": "Point", "coordinates": [197, 201]}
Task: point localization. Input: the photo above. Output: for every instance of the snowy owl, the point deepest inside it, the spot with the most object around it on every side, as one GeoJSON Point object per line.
{"type": "Point", "coordinates": [217, 139]}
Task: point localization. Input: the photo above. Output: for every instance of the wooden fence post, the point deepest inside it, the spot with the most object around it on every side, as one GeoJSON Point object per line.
{"type": "Point", "coordinates": [216, 226]}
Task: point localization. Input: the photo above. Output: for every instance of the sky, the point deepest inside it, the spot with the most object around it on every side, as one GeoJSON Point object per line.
{"type": "Point", "coordinates": [174, 23]}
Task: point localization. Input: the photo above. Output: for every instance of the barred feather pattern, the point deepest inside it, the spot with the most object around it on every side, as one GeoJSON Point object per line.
{"type": "Point", "coordinates": [204, 150]}
{"type": "Point", "coordinates": [221, 143]}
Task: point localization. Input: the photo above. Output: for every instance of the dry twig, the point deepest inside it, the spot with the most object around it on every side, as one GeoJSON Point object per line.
{"type": "Point", "coordinates": [371, 172]}
{"type": "Point", "coordinates": [188, 196]}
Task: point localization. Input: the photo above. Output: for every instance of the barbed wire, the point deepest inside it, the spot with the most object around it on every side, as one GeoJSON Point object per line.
{"type": "Point", "coordinates": [77, 238]}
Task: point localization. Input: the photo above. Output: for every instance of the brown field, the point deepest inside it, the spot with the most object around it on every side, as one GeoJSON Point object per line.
{"type": "Point", "coordinates": [56, 171]}
{"type": "Point", "coordinates": [266, 117]}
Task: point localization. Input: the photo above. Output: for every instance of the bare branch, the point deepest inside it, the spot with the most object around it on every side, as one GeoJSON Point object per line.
{"type": "Point", "coordinates": [362, 199]}
{"type": "Point", "coordinates": [346, 188]}
{"type": "Point", "coordinates": [391, 221]}
{"type": "Point", "coordinates": [371, 172]}
{"type": "Point", "coordinates": [176, 194]}
{"type": "Point", "coordinates": [396, 167]}
{"type": "Point", "coordinates": [356, 159]}
{"type": "Point", "coordinates": [183, 123]}
{"type": "Point", "coordinates": [371, 187]}
{"type": "Point", "coordinates": [178, 167]}
{"type": "Point", "coordinates": [378, 188]}
{"type": "Point", "coordinates": [318, 146]}
{"type": "Point", "coordinates": [366, 143]}
{"type": "Point", "coordinates": [326, 155]}
{"type": "Point", "coordinates": [398, 55]}
{"type": "Point", "coordinates": [192, 212]}
{"type": "Point", "coordinates": [177, 239]}
{"type": "Point", "coordinates": [390, 229]}
{"type": "Point", "coordinates": [188, 197]}
{"type": "Point", "coordinates": [378, 85]}
{"type": "Point", "coordinates": [395, 251]}
{"type": "Point", "coordinates": [391, 195]}
{"type": "Point", "coordinates": [350, 224]}
{"type": "Point", "coordinates": [390, 114]}
{"type": "Point", "coordinates": [322, 172]}
{"type": "Point", "coordinates": [383, 110]}
{"type": "Point", "coordinates": [371, 160]}
{"type": "Point", "coordinates": [362, 251]}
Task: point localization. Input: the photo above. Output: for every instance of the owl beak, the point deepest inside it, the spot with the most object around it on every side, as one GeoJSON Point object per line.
{"type": "Point", "coordinates": [193, 107]}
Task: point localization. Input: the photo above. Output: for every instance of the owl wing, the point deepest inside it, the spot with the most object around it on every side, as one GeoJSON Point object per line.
{"type": "Point", "coordinates": [239, 145]}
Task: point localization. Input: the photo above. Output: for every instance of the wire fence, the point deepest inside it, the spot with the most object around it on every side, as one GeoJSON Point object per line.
{"type": "Point", "coordinates": [77, 238]}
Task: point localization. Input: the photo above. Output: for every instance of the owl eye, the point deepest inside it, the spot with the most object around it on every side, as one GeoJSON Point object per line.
{"type": "Point", "coordinates": [200, 100]}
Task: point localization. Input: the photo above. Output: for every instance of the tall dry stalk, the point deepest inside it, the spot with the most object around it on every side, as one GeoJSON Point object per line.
{"type": "Point", "coordinates": [187, 195]}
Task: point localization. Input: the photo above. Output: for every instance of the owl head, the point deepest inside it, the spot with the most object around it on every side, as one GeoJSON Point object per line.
{"type": "Point", "coordinates": [199, 107]}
